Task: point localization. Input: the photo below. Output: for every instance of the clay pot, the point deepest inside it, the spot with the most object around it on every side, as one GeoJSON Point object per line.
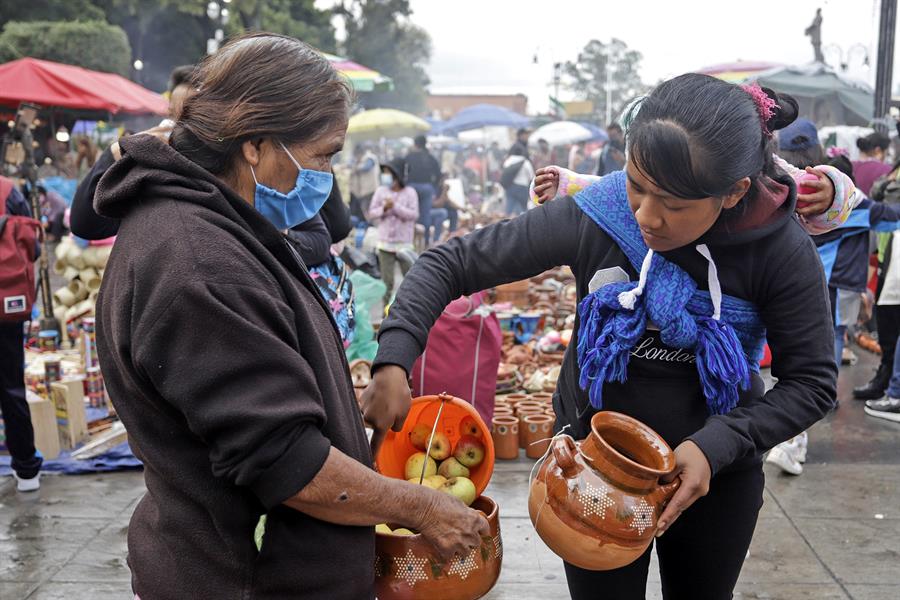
{"type": "Point", "coordinates": [406, 570]}
{"type": "Point", "coordinates": [543, 398]}
{"type": "Point", "coordinates": [538, 431]}
{"type": "Point", "coordinates": [505, 432]}
{"type": "Point", "coordinates": [596, 503]}
{"type": "Point", "coordinates": [549, 411]}
{"type": "Point", "coordinates": [502, 409]}
{"type": "Point", "coordinates": [521, 413]}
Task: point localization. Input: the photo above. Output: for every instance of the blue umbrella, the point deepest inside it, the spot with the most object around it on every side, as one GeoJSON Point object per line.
{"type": "Point", "coordinates": [484, 115]}
{"type": "Point", "coordinates": [600, 135]}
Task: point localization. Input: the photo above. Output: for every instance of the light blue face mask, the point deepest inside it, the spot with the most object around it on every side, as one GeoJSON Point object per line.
{"type": "Point", "coordinates": [300, 204]}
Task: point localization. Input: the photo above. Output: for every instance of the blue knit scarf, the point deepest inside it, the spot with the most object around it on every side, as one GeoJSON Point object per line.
{"type": "Point", "coordinates": [614, 317]}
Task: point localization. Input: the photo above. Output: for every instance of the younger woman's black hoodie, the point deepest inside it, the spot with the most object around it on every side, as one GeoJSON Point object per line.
{"type": "Point", "coordinates": [765, 257]}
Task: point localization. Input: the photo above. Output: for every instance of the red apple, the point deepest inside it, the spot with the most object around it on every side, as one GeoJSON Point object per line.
{"type": "Point", "coordinates": [469, 426]}
{"type": "Point", "coordinates": [419, 435]}
{"type": "Point", "coordinates": [469, 451]}
{"type": "Point", "coordinates": [440, 446]}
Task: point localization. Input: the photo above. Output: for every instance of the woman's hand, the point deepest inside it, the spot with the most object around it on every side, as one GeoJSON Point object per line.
{"type": "Point", "coordinates": [386, 402]}
{"type": "Point", "coordinates": [810, 205]}
{"type": "Point", "coordinates": [451, 527]}
{"type": "Point", "coordinates": [693, 468]}
{"type": "Point", "coordinates": [546, 184]}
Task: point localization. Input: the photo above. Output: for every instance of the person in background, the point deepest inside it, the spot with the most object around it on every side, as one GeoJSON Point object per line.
{"type": "Point", "coordinates": [222, 358]}
{"type": "Point", "coordinates": [26, 460]}
{"type": "Point", "coordinates": [517, 175]}
{"type": "Point", "coordinates": [394, 210]}
{"type": "Point", "coordinates": [576, 157]}
{"type": "Point", "coordinates": [53, 212]}
{"type": "Point", "coordinates": [86, 153]}
{"type": "Point", "coordinates": [612, 158]}
{"type": "Point", "coordinates": [521, 143]}
{"type": "Point", "coordinates": [871, 164]}
{"type": "Point", "coordinates": [494, 159]}
{"type": "Point", "coordinates": [83, 219]}
{"type": "Point", "coordinates": [543, 156]}
{"type": "Point", "coordinates": [363, 180]}
{"type": "Point", "coordinates": [442, 203]}
{"type": "Point", "coordinates": [423, 174]}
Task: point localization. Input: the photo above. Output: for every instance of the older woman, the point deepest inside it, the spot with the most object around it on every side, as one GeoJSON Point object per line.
{"type": "Point", "coordinates": [221, 358]}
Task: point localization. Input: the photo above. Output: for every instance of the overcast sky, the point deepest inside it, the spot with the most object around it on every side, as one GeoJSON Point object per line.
{"type": "Point", "coordinates": [488, 46]}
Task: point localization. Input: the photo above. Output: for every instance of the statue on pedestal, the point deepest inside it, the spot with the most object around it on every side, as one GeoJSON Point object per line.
{"type": "Point", "coordinates": [814, 31]}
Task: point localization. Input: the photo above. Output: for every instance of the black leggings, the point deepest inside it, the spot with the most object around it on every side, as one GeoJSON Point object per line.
{"type": "Point", "coordinates": [700, 556]}
{"type": "Point", "coordinates": [13, 406]}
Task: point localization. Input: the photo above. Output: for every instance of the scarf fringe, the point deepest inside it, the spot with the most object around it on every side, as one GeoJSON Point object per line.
{"type": "Point", "coordinates": [721, 364]}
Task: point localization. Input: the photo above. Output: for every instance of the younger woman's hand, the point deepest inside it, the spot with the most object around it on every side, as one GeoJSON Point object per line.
{"type": "Point", "coordinates": [386, 402]}
{"type": "Point", "coordinates": [546, 184]}
{"type": "Point", "coordinates": [810, 205]}
{"type": "Point", "coordinates": [693, 468]}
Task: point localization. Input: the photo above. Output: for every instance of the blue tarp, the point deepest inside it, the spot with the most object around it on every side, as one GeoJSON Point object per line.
{"type": "Point", "coordinates": [484, 115]}
{"type": "Point", "coordinates": [119, 458]}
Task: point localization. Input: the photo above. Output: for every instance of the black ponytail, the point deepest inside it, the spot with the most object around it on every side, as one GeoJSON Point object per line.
{"type": "Point", "coordinates": [696, 136]}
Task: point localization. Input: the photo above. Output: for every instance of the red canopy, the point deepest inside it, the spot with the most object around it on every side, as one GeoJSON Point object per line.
{"type": "Point", "coordinates": [54, 84]}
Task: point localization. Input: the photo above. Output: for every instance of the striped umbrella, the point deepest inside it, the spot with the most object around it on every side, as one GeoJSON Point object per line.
{"type": "Point", "coordinates": [362, 78]}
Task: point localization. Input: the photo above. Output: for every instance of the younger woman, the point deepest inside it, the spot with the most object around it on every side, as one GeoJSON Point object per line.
{"type": "Point", "coordinates": [694, 246]}
{"type": "Point", "coordinates": [395, 209]}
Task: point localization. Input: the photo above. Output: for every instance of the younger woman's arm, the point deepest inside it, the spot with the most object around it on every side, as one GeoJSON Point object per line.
{"type": "Point", "coordinates": [797, 315]}
{"type": "Point", "coordinates": [543, 238]}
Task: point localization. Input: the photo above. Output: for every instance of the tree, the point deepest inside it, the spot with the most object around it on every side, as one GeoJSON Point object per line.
{"type": "Point", "coordinates": [90, 44]}
{"type": "Point", "coordinates": [587, 76]}
{"type": "Point", "coordinates": [49, 10]}
{"type": "Point", "coordinates": [380, 36]}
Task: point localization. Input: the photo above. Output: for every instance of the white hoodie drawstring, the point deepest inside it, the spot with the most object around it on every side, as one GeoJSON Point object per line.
{"type": "Point", "coordinates": [629, 299]}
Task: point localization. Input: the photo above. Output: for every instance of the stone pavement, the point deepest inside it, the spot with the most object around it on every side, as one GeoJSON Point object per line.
{"type": "Point", "coordinates": [833, 532]}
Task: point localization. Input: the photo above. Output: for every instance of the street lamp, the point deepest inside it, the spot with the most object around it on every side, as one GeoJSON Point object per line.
{"type": "Point", "coordinates": [138, 65]}
{"type": "Point", "coordinates": [62, 134]}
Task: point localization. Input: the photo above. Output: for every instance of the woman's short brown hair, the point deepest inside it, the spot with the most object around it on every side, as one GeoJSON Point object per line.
{"type": "Point", "coordinates": [258, 85]}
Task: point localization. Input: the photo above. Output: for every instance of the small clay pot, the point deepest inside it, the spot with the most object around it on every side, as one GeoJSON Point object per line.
{"type": "Point", "coordinates": [503, 409]}
{"type": "Point", "coordinates": [527, 405]}
{"type": "Point", "coordinates": [521, 413]}
{"type": "Point", "coordinates": [543, 398]}
{"type": "Point", "coordinates": [505, 432]}
{"type": "Point", "coordinates": [538, 431]}
{"type": "Point", "coordinates": [550, 412]}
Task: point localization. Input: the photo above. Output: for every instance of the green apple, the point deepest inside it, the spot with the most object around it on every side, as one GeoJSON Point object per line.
{"type": "Point", "coordinates": [440, 446]}
{"type": "Point", "coordinates": [414, 466]}
{"type": "Point", "coordinates": [382, 528]}
{"type": "Point", "coordinates": [469, 451]}
{"type": "Point", "coordinates": [434, 481]}
{"type": "Point", "coordinates": [402, 531]}
{"type": "Point", "coordinates": [452, 468]}
{"type": "Point", "coordinates": [461, 488]}
{"type": "Point", "coordinates": [469, 426]}
{"type": "Point", "coordinates": [419, 435]}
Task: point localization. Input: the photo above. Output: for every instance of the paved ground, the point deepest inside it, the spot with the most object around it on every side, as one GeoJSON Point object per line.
{"type": "Point", "coordinates": [818, 536]}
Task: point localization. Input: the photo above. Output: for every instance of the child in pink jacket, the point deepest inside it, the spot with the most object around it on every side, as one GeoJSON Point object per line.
{"type": "Point", "coordinates": [394, 209]}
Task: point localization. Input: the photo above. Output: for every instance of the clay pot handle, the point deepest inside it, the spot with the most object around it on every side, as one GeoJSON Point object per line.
{"type": "Point", "coordinates": [665, 491]}
{"type": "Point", "coordinates": [563, 449]}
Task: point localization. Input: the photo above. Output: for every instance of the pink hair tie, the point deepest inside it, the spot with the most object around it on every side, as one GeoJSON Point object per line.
{"type": "Point", "coordinates": [765, 105]}
{"type": "Point", "coordinates": [837, 151]}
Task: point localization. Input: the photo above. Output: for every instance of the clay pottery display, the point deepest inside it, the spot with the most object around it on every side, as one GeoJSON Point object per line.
{"type": "Point", "coordinates": [528, 406]}
{"type": "Point", "coordinates": [550, 411]}
{"type": "Point", "coordinates": [524, 410]}
{"type": "Point", "coordinates": [502, 408]}
{"type": "Point", "coordinates": [513, 399]}
{"type": "Point", "coordinates": [538, 431]}
{"type": "Point", "coordinates": [505, 432]}
{"type": "Point", "coordinates": [596, 503]}
{"type": "Point", "coordinates": [405, 568]}
{"type": "Point", "coordinates": [515, 293]}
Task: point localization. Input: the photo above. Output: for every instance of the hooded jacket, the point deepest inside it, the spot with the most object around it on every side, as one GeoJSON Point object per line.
{"type": "Point", "coordinates": [225, 366]}
{"type": "Point", "coordinates": [763, 255]}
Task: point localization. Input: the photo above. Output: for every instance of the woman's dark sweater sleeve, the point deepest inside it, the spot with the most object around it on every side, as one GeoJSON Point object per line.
{"type": "Point", "coordinates": [312, 241]}
{"type": "Point", "coordinates": [801, 337]}
{"type": "Point", "coordinates": [541, 239]}
{"type": "Point", "coordinates": [83, 219]}
{"type": "Point", "coordinates": [336, 216]}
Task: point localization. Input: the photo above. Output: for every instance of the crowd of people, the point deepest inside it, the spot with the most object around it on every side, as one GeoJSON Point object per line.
{"type": "Point", "coordinates": [226, 361]}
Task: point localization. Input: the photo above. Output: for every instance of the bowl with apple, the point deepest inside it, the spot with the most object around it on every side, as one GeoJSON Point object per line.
{"type": "Point", "coordinates": [445, 445]}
